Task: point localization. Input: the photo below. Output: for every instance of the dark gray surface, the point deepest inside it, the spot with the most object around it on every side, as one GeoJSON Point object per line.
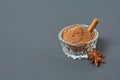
{"type": "Point", "coordinates": [30, 49]}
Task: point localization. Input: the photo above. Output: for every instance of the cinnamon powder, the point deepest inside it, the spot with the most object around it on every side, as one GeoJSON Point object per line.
{"type": "Point", "coordinates": [77, 34]}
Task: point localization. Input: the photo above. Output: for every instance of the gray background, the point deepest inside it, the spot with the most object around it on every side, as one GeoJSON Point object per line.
{"type": "Point", "coordinates": [30, 49]}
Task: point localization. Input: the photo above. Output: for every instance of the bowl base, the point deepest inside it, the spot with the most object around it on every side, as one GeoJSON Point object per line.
{"type": "Point", "coordinates": [76, 57]}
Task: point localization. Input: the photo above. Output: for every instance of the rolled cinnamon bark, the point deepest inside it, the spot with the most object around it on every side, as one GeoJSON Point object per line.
{"type": "Point", "coordinates": [93, 24]}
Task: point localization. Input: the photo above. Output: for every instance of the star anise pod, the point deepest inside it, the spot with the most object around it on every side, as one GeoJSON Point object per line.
{"type": "Point", "coordinates": [95, 57]}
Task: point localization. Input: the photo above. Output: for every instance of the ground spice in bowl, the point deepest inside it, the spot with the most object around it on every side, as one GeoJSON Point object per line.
{"type": "Point", "coordinates": [77, 34]}
{"type": "Point", "coordinates": [79, 41]}
{"type": "Point", "coordinates": [78, 38]}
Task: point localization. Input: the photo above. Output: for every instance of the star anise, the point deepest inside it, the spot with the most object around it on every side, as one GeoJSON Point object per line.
{"type": "Point", "coordinates": [95, 57]}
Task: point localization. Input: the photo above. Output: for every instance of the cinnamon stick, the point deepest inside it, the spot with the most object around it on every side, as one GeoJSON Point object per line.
{"type": "Point", "coordinates": [93, 24]}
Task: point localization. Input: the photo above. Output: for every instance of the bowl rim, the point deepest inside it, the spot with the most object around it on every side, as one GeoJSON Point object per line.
{"type": "Point", "coordinates": [74, 44]}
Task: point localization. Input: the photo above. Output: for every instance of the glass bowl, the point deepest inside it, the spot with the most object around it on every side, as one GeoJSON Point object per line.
{"type": "Point", "coordinates": [78, 51]}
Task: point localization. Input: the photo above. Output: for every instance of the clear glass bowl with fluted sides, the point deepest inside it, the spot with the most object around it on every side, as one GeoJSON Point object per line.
{"type": "Point", "coordinates": [78, 51]}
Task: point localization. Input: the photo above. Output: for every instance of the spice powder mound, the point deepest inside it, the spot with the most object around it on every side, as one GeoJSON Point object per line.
{"type": "Point", "coordinates": [77, 34]}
